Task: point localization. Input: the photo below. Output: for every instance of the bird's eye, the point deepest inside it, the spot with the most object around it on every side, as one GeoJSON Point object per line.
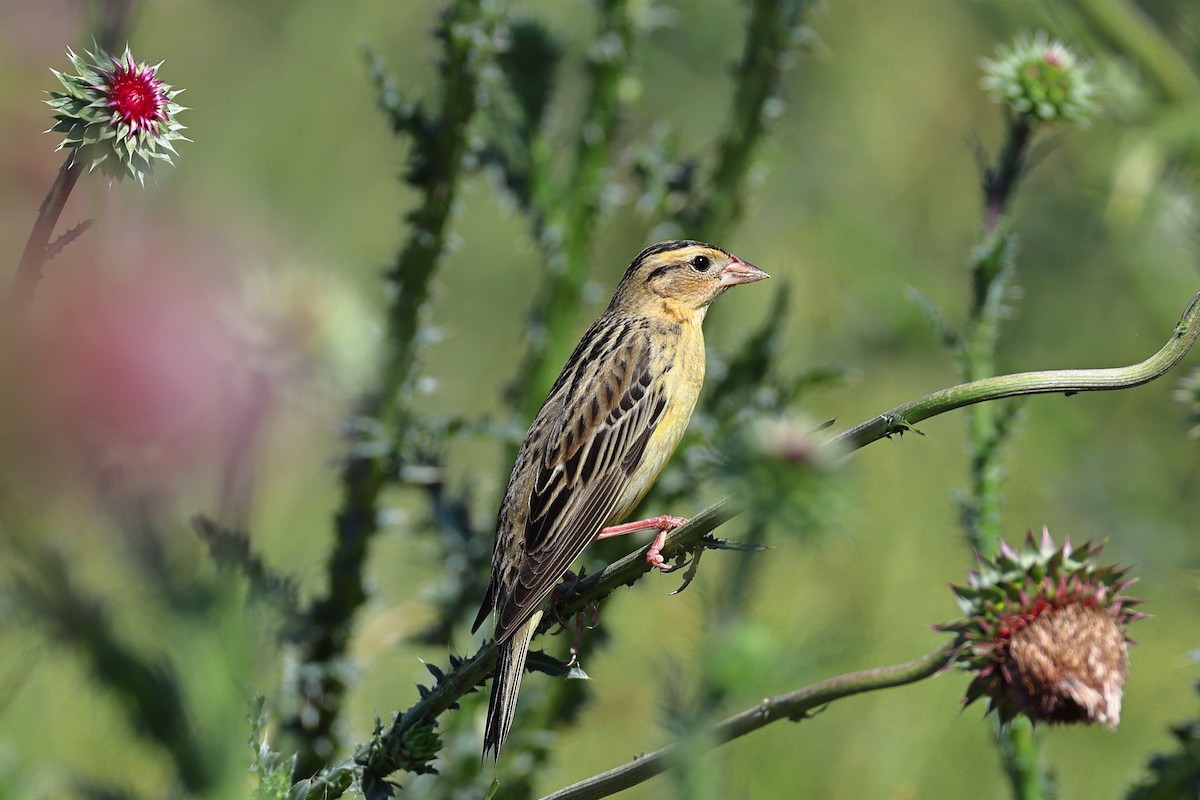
{"type": "Point", "coordinates": [701, 263]}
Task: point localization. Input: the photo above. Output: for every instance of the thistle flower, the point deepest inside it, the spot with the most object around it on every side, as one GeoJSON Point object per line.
{"type": "Point", "coordinates": [1044, 633]}
{"type": "Point", "coordinates": [116, 114]}
{"type": "Point", "coordinates": [1041, 78]}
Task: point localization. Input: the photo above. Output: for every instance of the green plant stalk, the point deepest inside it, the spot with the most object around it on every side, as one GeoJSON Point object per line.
{"type": "Point", "coordinates": [565, 217]}
{"type": "Point", "coordinates": [992, 275]}
{"type": "Point", "coordinates": [770, 38]}
{"type": "Point", "coordinates": [632, 567]}
{"type": "Point", "coordinates": [993, 272]}
{"type": "Point", "coordinates": [903, 418]}
{"type": "Point", "coordinates": [1022, 759]}
{"type": "Point", "coordinates": [794, 706]}
{"type": "Point", "coordinates": [366, 471]}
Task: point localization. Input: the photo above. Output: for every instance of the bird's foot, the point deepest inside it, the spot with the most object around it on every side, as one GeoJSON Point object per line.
{"type": "Point", "coordinates": [561, 592]}
{"type": "Point", "coordinates": [663, 524]}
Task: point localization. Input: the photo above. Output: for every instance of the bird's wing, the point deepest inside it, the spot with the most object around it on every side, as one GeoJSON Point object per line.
{"type": "Point", "coordinates": [611, 404]}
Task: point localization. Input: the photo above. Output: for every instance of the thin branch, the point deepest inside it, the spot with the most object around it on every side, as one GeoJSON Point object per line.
{"type": "Point", "coordinates": [29, 270]}
{"type": "Point", "coordinates": [1067, 381]}
{"type": "Point", "coordinates": [772, 32]}
{"type": "Point", "coordinates": [795, 706]}
{"type": "Point", "coordinates": [60, 244]}
{"type": "Point", "coordinates": [563, 216]}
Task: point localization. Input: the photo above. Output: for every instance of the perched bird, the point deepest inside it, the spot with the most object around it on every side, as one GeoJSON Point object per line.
{"type": "Point", "coordinates": [611, 422]}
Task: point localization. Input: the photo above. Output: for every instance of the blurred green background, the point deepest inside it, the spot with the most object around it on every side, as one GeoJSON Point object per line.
{"type": "Point", "coordinates": [867, 188]}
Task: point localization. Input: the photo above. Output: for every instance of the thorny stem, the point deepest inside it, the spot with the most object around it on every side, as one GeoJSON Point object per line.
{"type": "Point", "coordinates": [902, 418]}
{"type": "Point", "coordinates": [366, 470]}
{"type": "Point", "coordinates": [992, 273]}
{"type": "Point", "coordinates": [1000, 183]}
{"type": "Point", "coordinates": [29, 270]}
{"type": "Point", "coordinates": [565, 220]}
{"type": "Point", "coordinates": [770, 37]}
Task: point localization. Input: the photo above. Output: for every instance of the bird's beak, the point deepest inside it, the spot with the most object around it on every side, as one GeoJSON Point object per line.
{"type": "Point", "coordinates": [738, 271]}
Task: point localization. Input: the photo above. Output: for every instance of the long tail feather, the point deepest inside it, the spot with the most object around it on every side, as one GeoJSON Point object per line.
{"type": "Point", "coordinates": [506, 685]}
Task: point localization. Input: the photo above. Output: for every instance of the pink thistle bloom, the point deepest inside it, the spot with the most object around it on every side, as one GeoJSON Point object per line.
{"type": "Point", "coordinates": [136, 95]}
{"type": "Point", "coordinates": [116, 114]}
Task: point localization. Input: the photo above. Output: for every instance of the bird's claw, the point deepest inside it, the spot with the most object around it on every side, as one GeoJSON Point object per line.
{"type": "Point", "coordinates": [559, 594]}
{"type": "Point", "coordinates": [654, 556]}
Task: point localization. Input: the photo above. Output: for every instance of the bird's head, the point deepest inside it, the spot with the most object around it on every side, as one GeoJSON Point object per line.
{"type": "Point", "coordinates": [680, 277]}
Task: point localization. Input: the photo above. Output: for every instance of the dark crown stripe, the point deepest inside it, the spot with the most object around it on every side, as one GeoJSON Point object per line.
{"type": "Point", "coordinates": [666, 247]}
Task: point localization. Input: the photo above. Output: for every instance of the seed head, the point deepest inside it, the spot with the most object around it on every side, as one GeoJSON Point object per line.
{"type": "Point", "coordinates": [1044, 633]}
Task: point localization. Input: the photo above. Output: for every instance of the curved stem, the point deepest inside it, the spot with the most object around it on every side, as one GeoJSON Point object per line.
{"type": "Point", "coordinates": [1067, 381]}
{"type": "Point", "coordinates": [29, 270]}
{"type": "Point", "coordinates": [564, 216]}
{"type": "Point", "coordinates": [794, 706]}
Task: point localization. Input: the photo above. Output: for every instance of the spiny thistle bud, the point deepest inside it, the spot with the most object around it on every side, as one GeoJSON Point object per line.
{"type": "Point", "coordinates": [116, 114]}
{"type": "Point", "coordinates": [780, 467]}
{"type": "Point", "coordinates": [1041, 78]}
{"type": "Point", "coordinates": [1045, 633]}
{"type": "Point", "coordinates": [419, 746]}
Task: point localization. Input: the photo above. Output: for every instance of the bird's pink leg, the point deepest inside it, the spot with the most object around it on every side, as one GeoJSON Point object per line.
{"type": "Point", "coordinates": [664, 525]}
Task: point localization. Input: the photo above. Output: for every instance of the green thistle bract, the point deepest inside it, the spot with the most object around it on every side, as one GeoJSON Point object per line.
{"type": "Point", "coordinates": [116, 114]}
{"type": "Point", "coordinates": [1041, 78]}
{"type": "Point", "coordinates": [1044, 633]}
